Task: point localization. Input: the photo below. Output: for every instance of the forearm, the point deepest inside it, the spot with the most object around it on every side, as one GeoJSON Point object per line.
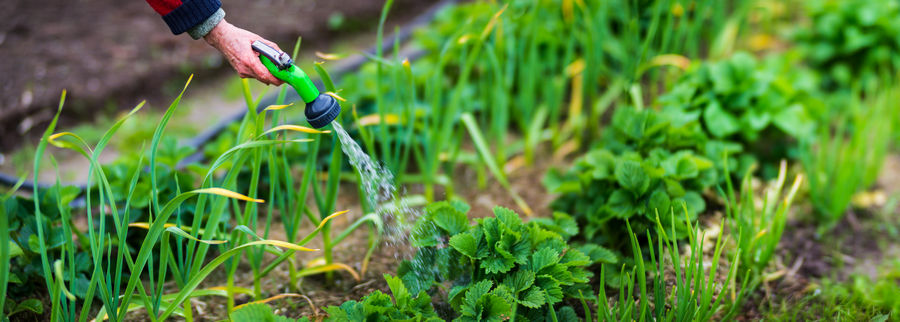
{"type": "Point", "coordinates": [206, 19]}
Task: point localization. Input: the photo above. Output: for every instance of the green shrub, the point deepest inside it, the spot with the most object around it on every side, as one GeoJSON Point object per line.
{"type": "Point", "coordinates": [851, 41]}
{"type": "Point", "coordinates": [497, 268]}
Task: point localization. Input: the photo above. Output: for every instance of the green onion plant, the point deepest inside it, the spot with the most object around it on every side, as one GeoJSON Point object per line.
{"type": "Point", "coordinates": [848, 156]}
{"type": "Point", "coordinates": [173, 247]}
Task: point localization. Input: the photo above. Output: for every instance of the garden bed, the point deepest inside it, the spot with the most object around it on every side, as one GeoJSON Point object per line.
{"type": "Point", "coordinates": [505, 174]}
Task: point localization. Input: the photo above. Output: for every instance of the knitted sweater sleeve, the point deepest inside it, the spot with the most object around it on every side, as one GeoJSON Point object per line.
{"type": "Point", "coordinates": [182, 15]}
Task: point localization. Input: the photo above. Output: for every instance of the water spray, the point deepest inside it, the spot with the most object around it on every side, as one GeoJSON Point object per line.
{"type": "Point", "coordinates": [321, 108]}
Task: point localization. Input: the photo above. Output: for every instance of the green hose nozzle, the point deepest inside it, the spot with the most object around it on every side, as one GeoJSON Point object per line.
{"type": "Point", "coordinates": [321, 109]}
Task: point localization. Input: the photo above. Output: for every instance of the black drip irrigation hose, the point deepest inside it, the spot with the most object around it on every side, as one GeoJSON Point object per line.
{"type": "Point", "coordinates": [344, 66]}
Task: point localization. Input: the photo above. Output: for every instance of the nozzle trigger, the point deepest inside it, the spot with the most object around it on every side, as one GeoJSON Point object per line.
{"type": "Point", "coordinates": [281, 59]}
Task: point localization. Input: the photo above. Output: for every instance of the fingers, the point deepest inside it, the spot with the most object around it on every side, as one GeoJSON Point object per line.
{"type": "Point", "coordinates": [261, 72]}
{"type": "Point", "coordinates": [247, 64]}
{"type": "Point", "coordinates": [263, 75]}
{"type": "Point", "coordinates": [236, 45]}
{"type": "Point", "coordinates": [270, 79]}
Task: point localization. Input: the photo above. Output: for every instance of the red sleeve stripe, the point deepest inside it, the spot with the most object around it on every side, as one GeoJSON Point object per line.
{"type": "Point", "coordinates": [164, 7]}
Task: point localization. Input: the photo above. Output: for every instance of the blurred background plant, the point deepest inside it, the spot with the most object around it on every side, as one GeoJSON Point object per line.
{"type": "Point", "coordinates": [853, 43]}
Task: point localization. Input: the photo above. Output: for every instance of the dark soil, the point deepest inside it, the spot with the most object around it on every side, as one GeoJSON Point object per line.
{"type": "Point", "coordinates": [856, 244]}
{"type": "Point", "coordinates": [111, 55]}
{"type": "Point", "coordinates": [526, 180]}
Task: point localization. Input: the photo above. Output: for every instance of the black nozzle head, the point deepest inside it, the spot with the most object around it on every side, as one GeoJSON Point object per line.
{"type": "Point", "coordinates": [322, 110]}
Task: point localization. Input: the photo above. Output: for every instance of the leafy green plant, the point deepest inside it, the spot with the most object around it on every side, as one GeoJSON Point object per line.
{"type": "Point", "coordinates": [378, 306]}
{"type": "Point", "coordinates": [10, 249]}
{"type": "Point", "coordinates": [745, 100]}
{"type": "Point", "coordinates": [646, 165]}
{"type": "Point", "coordinates": [29, 305]}
{"type": "Point", "coordinates": [853, 42]}
{"type": "Point", "coordinates": [497, 268]}
{"type": "Point", "coordinates": [24, 255]}
{"type": "Point", "coordinates": [517, 65]}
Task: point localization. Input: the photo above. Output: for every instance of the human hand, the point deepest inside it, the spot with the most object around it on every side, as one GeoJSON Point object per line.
{"type": "Point", "coordinates": [234, 43]}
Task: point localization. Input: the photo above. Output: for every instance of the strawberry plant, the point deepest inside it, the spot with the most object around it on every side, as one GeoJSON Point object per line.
{"type": "Point", "coordinates": [497, 268]}
{"type": "Point", "coordinates": [23, 240]}
{"type": "Point", "coordinates": [260, 312]}
{"type": "Point", "coordinates": [646, 165]}
{"type": "Point", "coordinates": [746, 100]}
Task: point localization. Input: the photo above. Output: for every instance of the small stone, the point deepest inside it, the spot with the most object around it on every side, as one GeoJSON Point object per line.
{"type": "Point", "coordinates": [27, 98]}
